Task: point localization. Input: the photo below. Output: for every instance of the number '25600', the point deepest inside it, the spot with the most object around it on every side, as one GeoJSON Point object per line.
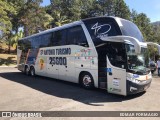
{"type": "Point", "coordinates": [57, 60]}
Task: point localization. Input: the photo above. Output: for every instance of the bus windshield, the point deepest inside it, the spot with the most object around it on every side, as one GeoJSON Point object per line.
{"type": "Point", "coordinates": [130, 29]}
{"type": "Point", "coordinates": [137, 63]}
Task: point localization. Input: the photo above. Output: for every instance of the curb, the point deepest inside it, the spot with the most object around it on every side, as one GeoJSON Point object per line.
{"type": "Point", "coordinates": [15, 66]}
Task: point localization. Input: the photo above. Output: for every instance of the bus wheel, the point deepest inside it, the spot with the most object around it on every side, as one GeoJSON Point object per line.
{"type": "Point", "coordinates": [32, 71]}
{"type": "Point", "coordinates": [87, 81]}
{"type": "Point", "coordinates": [27, 71]}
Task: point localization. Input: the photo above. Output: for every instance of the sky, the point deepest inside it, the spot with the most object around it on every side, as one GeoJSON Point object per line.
{"type": "Point", "coordinates": [150, 7]}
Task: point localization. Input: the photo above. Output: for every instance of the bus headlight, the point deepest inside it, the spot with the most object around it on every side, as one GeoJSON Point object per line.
{"type": "Point", "coordinates": [134, 80]}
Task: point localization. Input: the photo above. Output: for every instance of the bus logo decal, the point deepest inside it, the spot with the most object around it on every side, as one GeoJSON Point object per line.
{"type": "Point", "coordinates": [98, 30]}
{"type": "Point", "coordinates": [135, 76]}
{"type": "Point", "coordinates": [41, 63]}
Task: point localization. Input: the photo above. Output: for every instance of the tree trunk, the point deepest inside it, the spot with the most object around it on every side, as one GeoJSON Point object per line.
{"type": "Point", "coordinates": [9, 43]}
{"type": "Point", "coordinates": [26, 31]}
{"type": "Point", "coordinates": [9, 47]}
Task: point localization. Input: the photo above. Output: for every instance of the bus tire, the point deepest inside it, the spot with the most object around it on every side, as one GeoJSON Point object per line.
{"type": "Point", "coordinates": [27, 71]}
{"type": "Point", "coordinates": [86, 80]}
{"type": "Point", "coordinates": [32, 71]}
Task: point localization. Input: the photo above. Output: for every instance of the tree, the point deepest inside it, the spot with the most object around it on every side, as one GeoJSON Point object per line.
{"type": "Point", "coordinates": [143, 22]}
{"type": "Point", "coordinates": [7, 11]}
{"type": "Point", "coordinates": [155, 38]}
{"type": "Point", "coordinates": [33, 17]}
{"type": "Point", "coordinates": [17, 4]}
{"type": "Point", "coordinates": [47, 24]}
{"type": "Point", "coordinates": [15, 38]}
{"type": "Point", "coordinates": [150, 33]}
{"type": "Point", "coordinates": [6, 14]}
{"type": "Point", "coordinates": [81, 9]}
{"type": "Point", "coordinates": [107, 7]}
{"type": "Point", "coordinates": [116, 8]}
{"type": "Point", "coordinates": [59, 19]}
{"type": "Point", "coordinates": [70, 10]}
{"type": "Point", "coordinates": [121, 9]}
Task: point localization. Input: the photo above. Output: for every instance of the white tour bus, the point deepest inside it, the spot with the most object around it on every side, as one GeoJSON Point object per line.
{"type": "Point", "coordinates": [102, 52]}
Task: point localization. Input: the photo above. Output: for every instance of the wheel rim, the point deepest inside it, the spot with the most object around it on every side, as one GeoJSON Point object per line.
{"type": "Point", "coordinates": [32, 72]}
{"type": "Point", "coordinates": [27, 71]}
{"type": "Point", "coordinates": [87, 80]}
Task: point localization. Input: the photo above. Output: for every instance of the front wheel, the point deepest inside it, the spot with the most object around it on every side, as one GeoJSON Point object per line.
{"type": "Point", "coordinates": [152, 71]}
{"type": "Point", "coordinates": [86, 81]}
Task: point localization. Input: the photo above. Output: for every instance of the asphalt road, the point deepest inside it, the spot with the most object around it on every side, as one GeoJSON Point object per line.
{"type": "Point", "coordinates": [19, 92]}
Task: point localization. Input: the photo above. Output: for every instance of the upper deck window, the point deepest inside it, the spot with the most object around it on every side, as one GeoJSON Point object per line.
{"type": "Point", "coordinates": [76, 36]}
{"type": "Point", "coordinates": [130, 29]}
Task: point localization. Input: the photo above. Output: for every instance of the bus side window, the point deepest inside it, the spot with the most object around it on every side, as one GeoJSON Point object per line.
{"type": "Point", "coordinates": [27, 44]}
{"type": "Point", "coordinates": [116, 54]}
{"type": "Point", "coordinates": [59, 38]}
{"type": "Point", "coordinates": [34, 42]}
{"type": "Point", "coordinates": [20, 45]}
{"type": "Point", "coordinates": [45, 40]}
{"type": "Point", "coordinates": [76, 36]}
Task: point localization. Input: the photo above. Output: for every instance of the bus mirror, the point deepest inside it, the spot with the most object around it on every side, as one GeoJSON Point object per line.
{"type": "Point", "coordinates": [133, 40]}
{"type": "Point", "coordinates": [127, 48]}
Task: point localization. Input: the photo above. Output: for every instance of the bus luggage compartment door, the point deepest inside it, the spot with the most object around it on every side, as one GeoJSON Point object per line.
{"type": "Point", "coordinates": [116, 79]}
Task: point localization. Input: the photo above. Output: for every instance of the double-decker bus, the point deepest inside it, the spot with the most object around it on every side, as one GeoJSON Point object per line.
{"type": "Point", "coordinates": [102, 52]}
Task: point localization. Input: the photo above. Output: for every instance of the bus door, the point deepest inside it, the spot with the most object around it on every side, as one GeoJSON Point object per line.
{"type": "Point", "coordinates": [116, 69]}
{"type": "Point", "coordinates": [116, 79]}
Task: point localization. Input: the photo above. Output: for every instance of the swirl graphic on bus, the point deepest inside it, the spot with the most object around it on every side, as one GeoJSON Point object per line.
{"type": "Point", "coordinates": [101, 30]}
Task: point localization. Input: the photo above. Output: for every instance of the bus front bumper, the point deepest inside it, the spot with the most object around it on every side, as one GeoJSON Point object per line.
{"type": "Point", "coordinates": [133, 88]}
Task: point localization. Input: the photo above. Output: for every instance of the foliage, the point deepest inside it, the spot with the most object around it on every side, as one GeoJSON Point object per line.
{"type": "Point", "coordinates": [114, 8]}
{"type": "Point", "coordinates": [17, 4]}
{"type": "Point", "coordinates": [60, 20]}
{"type": "Point", "coordinates": [32, 17]}
{"type": "Point", "coordinates": [7, 11]}
{"type": "Point", "coordinates": [143, 22]}
{"type": "Point", "coordinates": [150, 32]}
{"type": "Point", "coordinates": [47, 24]}
{"type": "Point", "coordinates": [15, 38]}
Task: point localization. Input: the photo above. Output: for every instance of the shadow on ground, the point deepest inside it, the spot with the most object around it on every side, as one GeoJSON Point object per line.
{"type": "Point", "coordinates": [68, 90]}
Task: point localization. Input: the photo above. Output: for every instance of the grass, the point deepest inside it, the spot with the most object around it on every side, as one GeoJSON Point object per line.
{"type": "Point", "coordinates": [8, 60]}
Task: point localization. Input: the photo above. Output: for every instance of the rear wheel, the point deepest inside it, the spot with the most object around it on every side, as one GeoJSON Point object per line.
{"type": "Point", "coordinates": [27, 71]}
{"type": "Point", "coordinates": [86, 81]}
{"type": "Point", "coordinates": [32, 71]}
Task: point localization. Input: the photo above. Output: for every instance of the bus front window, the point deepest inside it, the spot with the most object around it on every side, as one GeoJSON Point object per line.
{"type": "Point", "coordinates": [137, 63]}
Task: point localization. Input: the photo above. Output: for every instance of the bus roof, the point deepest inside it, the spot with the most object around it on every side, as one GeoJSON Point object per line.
{"type": "Point", "coordinates": [68, 25]}
{"type": "Point", "coordinates": [54, 29]}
